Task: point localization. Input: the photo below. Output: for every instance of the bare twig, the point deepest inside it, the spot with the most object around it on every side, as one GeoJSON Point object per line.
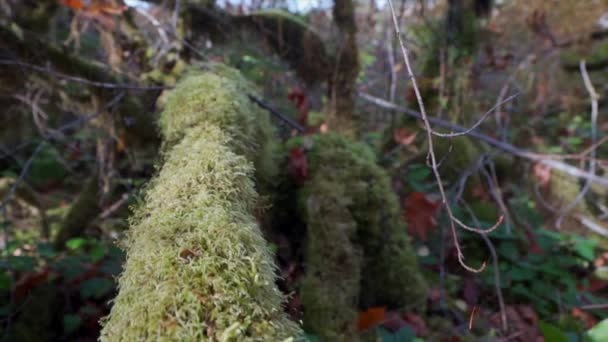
{"type": "Point", "coordinates": [594, 307]}
{"type": "Point", "coordinates": [501, 145]}
{"type": "Point", "coordinates": [479, 122]}
{"type": "Point", "coordinates": [501, 302]}
{"type": "Point", "coordinates": [58, 74]}
{"type": "Point", "coordinates": [429, 131]}
{"type": "Point", "coordinates": [593, 95]}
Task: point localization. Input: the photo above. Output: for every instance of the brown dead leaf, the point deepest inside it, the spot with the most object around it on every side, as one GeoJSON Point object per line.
{"type": "Point", "coordinates": [404, 136]}
{"type": "Point", "coordinates": [419, 214]}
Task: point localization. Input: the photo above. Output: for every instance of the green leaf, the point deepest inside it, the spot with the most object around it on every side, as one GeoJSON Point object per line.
{"type": "Point", "coordinates": [5, 281]}
{"type": "Point", "coordinates": [71, 323]}
{"type": "Point", "coordinates": [585, 248]}
{"type": "Point", "coordinates": [97, 253]}
{"type": "Point", "coordinates": [552, 333]}
{"type": "Point", "coordinates": [520, 274]}
{"type": "Point", "coordinates": [75, 243]}
{"type": "Point", "coordinates": [599, 332]}
{"type": "Point", "coordinates": [418, 173]}
{"type": "Point", "coordinates": [46, 250]}
{"type": "Point", "coordinates": [96, 287]}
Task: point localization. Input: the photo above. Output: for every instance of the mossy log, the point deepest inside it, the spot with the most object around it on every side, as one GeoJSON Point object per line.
{"type": "Point", "coordinates": [198, 267]}
{"type": "Point", "coordinates": [357, 253]}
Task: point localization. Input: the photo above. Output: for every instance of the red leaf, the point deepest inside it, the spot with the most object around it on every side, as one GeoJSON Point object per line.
{"type": "Point", "coordinates": [420, 214]}
{"type": "Point", "coordinates": [73, 4]}
{"type": "Point", "coordinates": [297, 96]}
{"type": "Point", "coordinates": [298, 165]}
{"type": "Point", "coordinates": [371, 318]}
{"type": "Point", "coordinates": [28, 282]}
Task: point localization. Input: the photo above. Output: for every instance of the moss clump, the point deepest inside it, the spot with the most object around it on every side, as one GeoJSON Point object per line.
{"type": "Point", "coordinates": [197, 265]}
{"type": "Point", "coordinates": [357, 252]}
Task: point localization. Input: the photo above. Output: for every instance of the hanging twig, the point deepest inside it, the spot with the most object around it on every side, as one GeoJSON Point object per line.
{"type": "Point", "coordinates": [433, 159]}
{"type": "Point", "coordinates": [501, 302]}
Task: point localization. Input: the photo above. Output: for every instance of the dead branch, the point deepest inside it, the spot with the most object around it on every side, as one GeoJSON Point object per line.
{"type": "Point", "coordinates": [501, 145]}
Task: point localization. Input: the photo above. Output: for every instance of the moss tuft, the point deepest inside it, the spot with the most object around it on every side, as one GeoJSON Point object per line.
{"type": "Point", "coordinates": [198, 267]}
{"type": "Point", "coordinates": [357, 251]}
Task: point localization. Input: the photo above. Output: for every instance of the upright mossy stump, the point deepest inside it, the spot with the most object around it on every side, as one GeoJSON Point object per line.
{"type": "Point", "coordinates": [357, 253]}
{"type": "Point", "coordinates": [198, 267]}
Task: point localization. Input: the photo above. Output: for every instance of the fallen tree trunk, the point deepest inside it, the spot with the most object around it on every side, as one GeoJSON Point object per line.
{"type": "Point", "coordinates": [198, 267]}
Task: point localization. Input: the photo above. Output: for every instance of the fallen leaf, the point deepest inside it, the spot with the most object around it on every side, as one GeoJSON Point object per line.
{"type": "Point", "coordinates": [404, 136]}
{"type": "Point", "coordinates": [371, 317]}
{"type": "Point", "coordinates": [419, 214]}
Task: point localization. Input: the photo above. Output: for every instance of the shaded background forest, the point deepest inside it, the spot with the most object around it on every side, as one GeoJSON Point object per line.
{"type": "Point", "coordinates": [515, 87]}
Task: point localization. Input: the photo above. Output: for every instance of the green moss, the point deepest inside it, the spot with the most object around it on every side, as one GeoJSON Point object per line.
{"type": "Point", "coordinates": [197, 265]}
{"type": "Point", "coordinates": [220, 98]}
{"type": "Point", "coordinates": [330, 290]}
{"type": "Point", "coordinates": [357, 251]}
{"type": "Point", "coordinates": [293, 40]}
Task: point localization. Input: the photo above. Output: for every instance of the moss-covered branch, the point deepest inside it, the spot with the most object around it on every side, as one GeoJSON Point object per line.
{"type": "Point", "coordinates": [357, 252]}
{"type": "Point", "coordinates": [198, 267]}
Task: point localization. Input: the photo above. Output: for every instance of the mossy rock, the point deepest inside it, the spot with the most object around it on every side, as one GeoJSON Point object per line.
{"type": "Point", "coordinates": [198, 267]}
{"type": "Point", "coordinates": [357, 253]}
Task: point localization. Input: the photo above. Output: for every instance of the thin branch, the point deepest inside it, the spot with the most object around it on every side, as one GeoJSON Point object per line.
{"type": "Point", "coordinates": [479, 122]}
{"type": "Point", "coordinates": [433, 158]}
{"type": "Point", "coordinates": [77, 79]}
{"type": "Point", "coordinates": [501, 145]}
{"type": "Point", "coordinates": [593, 95]}
{"type": "Point", "coordinates": [501, 302]}
{"type": "Point", "coordinates": [278, 115]}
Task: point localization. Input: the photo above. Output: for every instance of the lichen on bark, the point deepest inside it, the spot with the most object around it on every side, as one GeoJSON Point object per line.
{"type": "Point", "coordinates": [198, 267]}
